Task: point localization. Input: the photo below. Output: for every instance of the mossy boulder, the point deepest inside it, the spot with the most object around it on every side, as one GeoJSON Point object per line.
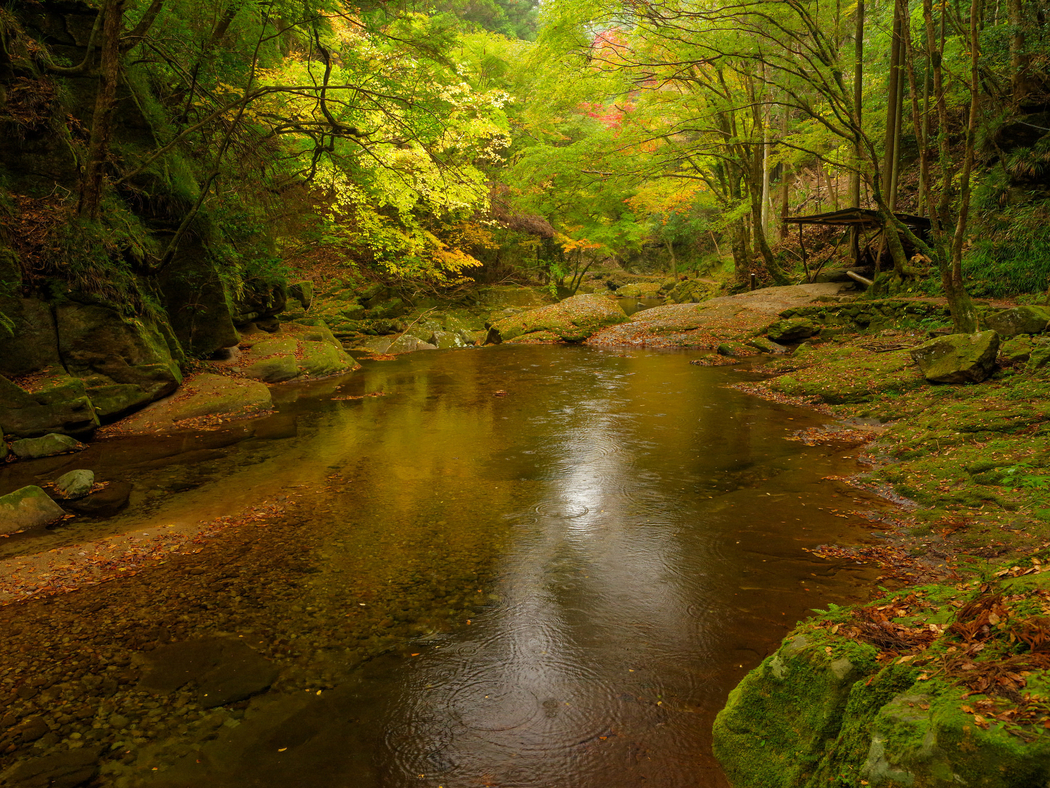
{"type": "Point", "coordinates": [304, 348]}
{"type": "Point", "coordinates": [792, 329]}
{"type": "Point", "coordinates": [774, 727]}
{"type": "Point", "coordinates": [639, 290]}
{"type": "Point", "coordinates": [56, 403]}
{"type": "Point", "coordinates": [767, 345]}
{"type": "Point", "coordinates": [1016, 351]}
{"type": "Point", "coordinates": [45, 446]}
{"type": "Point", "coordinates": [958, 358]}
{"type": "Point", "coordinates": [385, 310]}
{"type": "Point", "coordinates": [125, 363]}
{"type": "Point", "coordinates": [202, 395]}
{"type": "Point", "coordinates": [446, 340]}
{"type": "Point", "coordinates": [271, 359]}
{"type": "Point", "coordinates": [406, 343]}
{"type": "Point", "coordinates": [28, 507]}
{"type": "Point", "coordinates": [1019, 320]}
{"type": "Point", "coordinates": [736, 350]}
{"type": "Point", "coordinates": [3, 447]}
{"type": "Point", "coordinates": [571, 320]}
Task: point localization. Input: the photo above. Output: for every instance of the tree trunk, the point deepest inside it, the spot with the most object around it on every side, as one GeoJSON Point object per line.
{"type": "Point", "coordinates": [963, 313]}
{"type": "Point", "coordinates": [105, 106]}
{"type": "Point", "coordinates": [858, 112]}
{"type": "Point", "coordinates": [1019, 58]}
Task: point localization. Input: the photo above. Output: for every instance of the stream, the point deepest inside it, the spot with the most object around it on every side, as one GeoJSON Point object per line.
{"type": "Point", "coordinates": [524, 567]}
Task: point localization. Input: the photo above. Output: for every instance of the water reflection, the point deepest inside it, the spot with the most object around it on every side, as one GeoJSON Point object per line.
{"type": "Point", "coordinates": [555, 587]}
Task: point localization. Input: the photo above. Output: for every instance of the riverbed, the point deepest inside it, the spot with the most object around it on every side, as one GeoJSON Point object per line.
{"type": "Point", "coordinates": [525, 567]}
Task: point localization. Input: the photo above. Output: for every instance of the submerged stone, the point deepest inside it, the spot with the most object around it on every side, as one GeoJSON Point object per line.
{"type": "Point", "coordinates": [75, 484]}
{"type": "Point", "coordinates": [28, 507]}
{"type": "Point", "coordinates": [224, 670]}
{"type": "Point", "coordinates": [958, 358]}
{"type": "Point", "coordinates": [105, 503]}
{"type": "Point", "coordinates": [45, 446]}
{"type": "Point", "coordinates": [63, 770]}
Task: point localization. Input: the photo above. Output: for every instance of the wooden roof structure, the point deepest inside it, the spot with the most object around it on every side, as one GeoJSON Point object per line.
{"type": "Point", "coordinates": [865, 218]}
{"type": "Point", "coordinates": [856, 221]}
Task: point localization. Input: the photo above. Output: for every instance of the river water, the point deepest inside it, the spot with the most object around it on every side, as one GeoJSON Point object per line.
{"type": "Point", "coordinates": [525, 567]}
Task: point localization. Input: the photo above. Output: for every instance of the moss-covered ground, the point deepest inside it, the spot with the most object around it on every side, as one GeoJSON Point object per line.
{"type": "Point", "coordinates": [971, 466]}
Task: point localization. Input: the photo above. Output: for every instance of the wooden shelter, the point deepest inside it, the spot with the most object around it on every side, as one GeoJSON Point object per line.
{"type": "Point", "coordinates": [866, 223]}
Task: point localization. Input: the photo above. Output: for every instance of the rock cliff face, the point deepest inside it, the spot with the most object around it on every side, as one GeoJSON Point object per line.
{"type": "Point", "coordinates": [96, 321]}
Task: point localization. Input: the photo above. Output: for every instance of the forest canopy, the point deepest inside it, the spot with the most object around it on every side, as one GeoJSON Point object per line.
{"type": "Point", "coordinates": [435, 143]}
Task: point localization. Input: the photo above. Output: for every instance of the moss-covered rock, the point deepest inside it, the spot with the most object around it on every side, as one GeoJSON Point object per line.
{"type": "Point", "coordinates": [767, 345]}
{"type": "Point", "coordinates": [848, 374]}
{"type": "Point", "coordinates": [34, 343]}
{"type": "Point", "coordinates": [259, 300]}
{"type": "Point", "coordinates": [571, 320]}
{"type": "Point", "coordinates": [691, 291]}
{"type": "Point", "coordinates": [29, 507]}
{"type": "Point", "coordinates": [303, 292]}
{"type": "Point", "coordinates": [57, 403]}
{"type": "Point", "coordinates": [736, 350]}
{"type": "Point", "coordinates": [1019, 320]}
{"type": "Point", "coordinates": [125, 363]}
{"type": "Point", "coordinates": [201, 395]}
{"type": "Point", "coordinates": [958, 358]}
{"type": "Point", "coordinates": [197, 301]}
{"type": "Point", "coordinates": [1016, 351]}
{"type": "Point", "coordinates": [298, 349]}
{"type": "Point", "coordinates": [639, 290]}
{"type": "Point", "coordinates": [774, 727]}
{"type": "Point", "coordinates": [792, 329]}
{"type": "Point", "coordinates": [831, 708]}
{"type": "Point", "coordinates": [75, 484]}
{"type": "Point", "coordinates": [45, 446]}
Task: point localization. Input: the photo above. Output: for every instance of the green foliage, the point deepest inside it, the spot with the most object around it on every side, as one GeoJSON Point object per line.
{"type": "Point", "coordinates": [1011, 251]}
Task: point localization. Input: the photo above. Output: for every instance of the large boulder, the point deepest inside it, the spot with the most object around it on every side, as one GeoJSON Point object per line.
{"type": "Point", "coordinates": [958, 358]}
{"type": "Point", "coordinates": [197, 301]}
{"type": "Point", "coordinates": [28, 507]}
{"type": "Point", "coordinates": [260, 300]}
{"type": "Point", "coordinates": [125, 363]}
{"type": "Point", "coordinates": [45, 446]}
{"type": "Point", "coordinates": [1019, 320]}
{"type": "Point", "coordinates": [57, 403]}
{"type": "Point", "coordinates": [571, 320]}
{"type": "Point", "coordinates": [3, 447]}
{"type": "Point", "coordinates": [203, 395]}
{"type": "Point", "coordinates": [34, 344]}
